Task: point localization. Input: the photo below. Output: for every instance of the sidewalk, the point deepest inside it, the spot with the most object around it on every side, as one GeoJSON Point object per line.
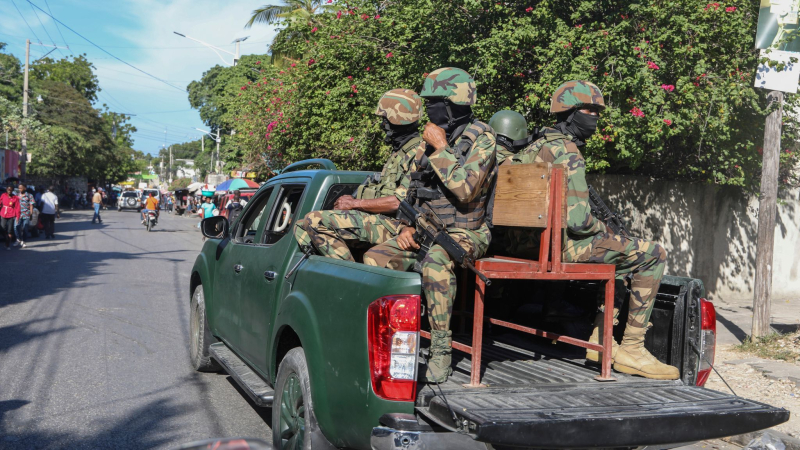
{"type": "Point", "coordinates": [734, 318]}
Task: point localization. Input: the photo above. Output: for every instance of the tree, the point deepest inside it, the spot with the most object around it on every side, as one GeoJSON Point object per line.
{"type": "Point", "coordinates": [677, 80]}
{"type": "Point", "coordinates": [290, 11]}
{"type": "Point", "coordinates": [10, 76]}
{"type": "Point", "coordinates": [77, 72]}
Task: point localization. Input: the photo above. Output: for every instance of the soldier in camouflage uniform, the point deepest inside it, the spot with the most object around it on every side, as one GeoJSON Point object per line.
{"type": "Point", "coordinates": [577, 105]}
{"type": "Point", "coordinates": [360, 218]}
{"type": "Point", "coordinates": [452, 178]}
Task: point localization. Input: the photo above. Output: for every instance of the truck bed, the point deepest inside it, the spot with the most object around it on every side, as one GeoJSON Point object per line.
{"type": "Point", "coordinates": [542, 395]}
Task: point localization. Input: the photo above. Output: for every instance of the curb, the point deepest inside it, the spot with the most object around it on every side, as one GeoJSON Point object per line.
{"type": "Point", "coordinates": [791, 443]}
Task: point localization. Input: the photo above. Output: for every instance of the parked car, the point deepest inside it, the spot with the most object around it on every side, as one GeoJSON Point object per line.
{"type": "Point", "coordinates": [314, 339]}
{"type": "Point", "coordinates": [146, 193]}
{"type": "Point", "coordinates": [129, 200]}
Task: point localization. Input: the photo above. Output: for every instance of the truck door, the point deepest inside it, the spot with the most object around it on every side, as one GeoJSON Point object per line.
{"type": "Point", "coordinates": [232, 269]}
{"type": "Point", "coordinates": [266, 270]}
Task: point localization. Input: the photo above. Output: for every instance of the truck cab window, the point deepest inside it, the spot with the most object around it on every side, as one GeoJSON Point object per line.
{"type": "Point", "coordinates": [253, 220]}
{"type": "Point", "coordinates": [284, 213]}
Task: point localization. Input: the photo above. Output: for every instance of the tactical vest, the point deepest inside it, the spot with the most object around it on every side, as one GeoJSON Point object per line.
{"type": "Point", "coordinates": [528, 155]}
{"type": "Point", "coordinates": [432, 194]}
{"type": "Point", "coordinates": [383, 184]}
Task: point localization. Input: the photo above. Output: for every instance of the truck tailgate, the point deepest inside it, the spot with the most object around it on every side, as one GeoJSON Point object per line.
{"type": "Point", "coordinates": [600, 415]}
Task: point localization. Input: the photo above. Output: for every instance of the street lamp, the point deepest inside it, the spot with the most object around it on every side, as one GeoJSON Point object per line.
{"type": "Point", "coordinates": [203, 147]}
{"type": "Point", "coordinates": [235, 55]}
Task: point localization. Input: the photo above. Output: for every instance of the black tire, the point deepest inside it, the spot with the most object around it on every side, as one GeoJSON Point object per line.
{"type": "Point", "coordinates": [200, 335]}
{"type": "Point", "coordinates": [293, 419]}
{"type": "Point", "coordinates": [149, 224]}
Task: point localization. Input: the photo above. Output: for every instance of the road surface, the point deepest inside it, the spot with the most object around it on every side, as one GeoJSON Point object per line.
{"type": "Point", "coordinates": [93, 341]}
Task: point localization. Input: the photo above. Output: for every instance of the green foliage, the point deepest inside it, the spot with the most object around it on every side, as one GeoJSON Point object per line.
{"type": "Point", "coordinates": [180, 183]}
{"type": "Point", "coordinates": [10, 76]}
{"type": "Point", "coordinates": [77, 72]}
{"type": "Point", "coordinates": [677, 78]}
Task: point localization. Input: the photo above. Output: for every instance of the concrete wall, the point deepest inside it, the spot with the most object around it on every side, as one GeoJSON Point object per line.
{"type": "Point", "coordinates": [709, 231]}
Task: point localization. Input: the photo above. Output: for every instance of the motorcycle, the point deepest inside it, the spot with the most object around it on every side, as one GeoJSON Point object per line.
{"type": "Point", "coordinates": [150, 219]}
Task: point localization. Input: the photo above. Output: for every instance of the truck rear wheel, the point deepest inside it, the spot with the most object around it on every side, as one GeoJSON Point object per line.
{"type": "Point", "coordinates": [293, 419]}
{"type": "Point", "coordinates": [200, 334]}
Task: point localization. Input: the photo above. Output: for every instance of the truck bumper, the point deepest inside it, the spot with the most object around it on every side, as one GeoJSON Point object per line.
{"type": "Point", "coordinates": [384, 438]}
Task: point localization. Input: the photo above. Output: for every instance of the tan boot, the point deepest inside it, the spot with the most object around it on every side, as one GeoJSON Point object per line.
{"type": "Point", "coordinates": [634, 359]}
{"type": "Point", "coordinates": [440, 357]}
{"type": "Point", "coordinates": [597, 337]}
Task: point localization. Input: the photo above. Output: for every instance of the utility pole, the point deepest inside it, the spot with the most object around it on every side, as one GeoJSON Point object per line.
{"type": "Point", "coordinates": [24, 159]}
{"type": "Point", "coordinates": [219, 138]}
{"type": "Point", "coordinates": [767, 209]}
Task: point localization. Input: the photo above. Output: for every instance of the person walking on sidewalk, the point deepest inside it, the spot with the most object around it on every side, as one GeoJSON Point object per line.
{"type": "Point", "coordinates": [26, 206]}
{"type": "Point", "coordinates": [97, 202]}
{"type": "Point", "coordinates": [49, 212]}
{"type": "Point", "coordinates": [9, 212]}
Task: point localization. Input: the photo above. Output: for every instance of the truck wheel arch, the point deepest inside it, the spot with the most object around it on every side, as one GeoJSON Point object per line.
{"type": "Point", "coordinates": [285, 340]}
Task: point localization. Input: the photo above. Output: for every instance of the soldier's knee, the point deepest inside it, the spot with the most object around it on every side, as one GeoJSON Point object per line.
{"type": "Point", "coordinates": [370, 260]}
{"type": "Point", "coordinates": [311, 219]}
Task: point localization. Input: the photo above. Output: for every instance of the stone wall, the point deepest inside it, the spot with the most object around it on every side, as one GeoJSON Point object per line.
{"type": "Point", "coordinates": [709, 231]}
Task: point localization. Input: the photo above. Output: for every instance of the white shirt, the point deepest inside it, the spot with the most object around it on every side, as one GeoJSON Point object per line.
{"type": "Point", "coordinates": [49, 203]}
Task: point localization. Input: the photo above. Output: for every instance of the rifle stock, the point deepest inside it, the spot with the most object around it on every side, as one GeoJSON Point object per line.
{"type": "Point", "coordinates": [604, 214]}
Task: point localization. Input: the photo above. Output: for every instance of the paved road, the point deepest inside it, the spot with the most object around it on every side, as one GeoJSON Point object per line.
{"type": "Point", "coordinates": [93, 342]}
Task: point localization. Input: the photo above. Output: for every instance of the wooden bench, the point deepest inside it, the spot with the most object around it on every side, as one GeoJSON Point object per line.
{"type": "Point", "coordinates": [533, 196]}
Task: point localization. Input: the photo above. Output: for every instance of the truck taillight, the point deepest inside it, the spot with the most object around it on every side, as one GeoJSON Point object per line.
{"type": "Point", "coordinates": [393, 339]}
{"type": "Point", "coordinates": [708, 340]}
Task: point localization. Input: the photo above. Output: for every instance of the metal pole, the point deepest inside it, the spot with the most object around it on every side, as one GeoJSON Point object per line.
{"type": "Point", "coordinates": [767, 210]}
{"type": "Point", "coordinates": [24, 159]}
{"type": "Point", "coordinates": [170, 164]}
{"type": "Point", "coordinates": [219, 138]}
{"type": "Point", "coordinates": [235, 58]}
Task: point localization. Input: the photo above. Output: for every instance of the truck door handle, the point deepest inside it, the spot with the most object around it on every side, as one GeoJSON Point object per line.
{"type": "Point", "coordinates": [238, 268]}
{"type": "Point", "coordinates": [270, 275]}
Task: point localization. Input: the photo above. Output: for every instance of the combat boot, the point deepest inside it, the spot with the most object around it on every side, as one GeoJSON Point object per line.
{"type": "Point", "coordinates": [440, 357]}
{"type": "Point", "coordinates": [597, 337]}
{"type": "Point", "coordinates": [634, 359]}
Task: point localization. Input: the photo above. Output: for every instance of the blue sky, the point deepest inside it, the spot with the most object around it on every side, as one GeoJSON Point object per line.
{"type": "Point", "coordinates": [140, 33]}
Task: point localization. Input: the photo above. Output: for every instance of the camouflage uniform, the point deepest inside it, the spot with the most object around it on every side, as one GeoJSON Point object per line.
{"type": "Point", "coordinates": [466, 173]}
{"type": "Point", "coordinates": [586, 239]}
{"type": "Point", "coordinates": [332, 231]}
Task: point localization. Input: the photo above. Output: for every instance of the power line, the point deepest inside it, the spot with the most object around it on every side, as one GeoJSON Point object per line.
{"type": "Point", "coordinates": [26, 21]}
{"type": "Point", "coordinates": [57, 27]}
{"type": "Point", "coordinates": [43, 27]}
{"type": "Point", "coordinates": [106, 51]}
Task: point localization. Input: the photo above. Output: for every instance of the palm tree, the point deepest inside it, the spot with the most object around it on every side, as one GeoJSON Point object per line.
{"type": "Point", "coordinates": [290, 10]}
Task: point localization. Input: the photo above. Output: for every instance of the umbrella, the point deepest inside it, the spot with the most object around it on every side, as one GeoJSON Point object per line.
{"type": "Point", "coordinates": [194, 186]}
{"type": "Point", "coordinates": [236, 183]}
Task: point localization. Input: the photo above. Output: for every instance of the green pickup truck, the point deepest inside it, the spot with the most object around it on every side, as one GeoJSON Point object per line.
{"type": "Point", "coordinates": [333, 348]}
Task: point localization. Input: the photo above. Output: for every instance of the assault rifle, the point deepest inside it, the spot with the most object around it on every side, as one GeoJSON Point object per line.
{"type": "Point", "coordinates": [430, 232]}
{"type": "Point", "coordinates": [604, 214]}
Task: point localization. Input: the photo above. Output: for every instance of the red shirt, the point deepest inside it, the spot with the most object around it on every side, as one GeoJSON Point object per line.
{"type": "Point", "coordinates": [9, 206]}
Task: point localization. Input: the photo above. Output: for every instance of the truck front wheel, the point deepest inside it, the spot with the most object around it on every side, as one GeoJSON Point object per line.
{"type": "Point", "coordinates": [200, 334]}
{"type": "Point", "coordinates": [293, 420]}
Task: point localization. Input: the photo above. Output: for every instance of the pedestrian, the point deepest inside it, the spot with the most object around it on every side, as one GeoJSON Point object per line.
{"type": "Point", "coordinates": [9, 212]}
{"type": "Point", "coordinates": [49, 212]}
{"type": "Point", "coordinates": [27, 204]}
{"type": "Point", "coordinates": [235, 206]}
{"type": "Point", "coordinates": [97, 203]}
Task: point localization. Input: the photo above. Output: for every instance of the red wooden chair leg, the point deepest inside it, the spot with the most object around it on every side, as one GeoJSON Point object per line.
{"type": "Point", "coordinates": [463, 301]}
{"type": "Point", "coordinates": [477, 334]}
{"type": "Point", "coordinates": [608, 332]}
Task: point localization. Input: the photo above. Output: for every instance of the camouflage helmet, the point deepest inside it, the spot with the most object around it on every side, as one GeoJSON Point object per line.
{"type": "Point", "coordinates": [576, 94]}
{"type": "Point", "coordinates": [400, 107]}
{"type": "Point", "coordinates": [451, 83]}
{"type": "Point", "coordinates": [510, 124]}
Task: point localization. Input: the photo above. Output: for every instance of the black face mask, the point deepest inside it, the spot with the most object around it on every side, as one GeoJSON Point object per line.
{"type": "Point", "coordinates": [447, 115]}
{"type": "Point", "coordinates": [398, 135]}
{"type": "Point", "coordinates": [580, 125]}
{"type": "Point", "coordinates": [514, 146]}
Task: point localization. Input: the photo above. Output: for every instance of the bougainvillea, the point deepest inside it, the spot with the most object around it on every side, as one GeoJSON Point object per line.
{"type": "Point", "coordinates": [677, 80]}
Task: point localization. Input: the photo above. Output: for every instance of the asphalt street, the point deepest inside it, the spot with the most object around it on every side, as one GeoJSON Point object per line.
{"type": "Point", "coordinates": [94, 336]}
{"type": "Point", "coordinates": [94, 342]}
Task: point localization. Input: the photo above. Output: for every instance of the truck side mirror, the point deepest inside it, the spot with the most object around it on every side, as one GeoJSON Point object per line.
{"type": "Point", "coordinates": [215, 227]}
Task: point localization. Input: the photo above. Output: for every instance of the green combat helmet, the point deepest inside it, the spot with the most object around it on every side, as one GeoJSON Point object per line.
{"type": "Point", "coordinates": [576, 94]}
{"type": "Point", "coordinates": [451, 83]}
{"type": "Point", "coordinates": [509, 124]}
{"type": "Point", "coordinates": [400, 107]}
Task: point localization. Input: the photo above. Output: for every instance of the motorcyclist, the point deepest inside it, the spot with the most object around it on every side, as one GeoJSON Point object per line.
{"type": "Point", "coordinates": [150, 205]}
